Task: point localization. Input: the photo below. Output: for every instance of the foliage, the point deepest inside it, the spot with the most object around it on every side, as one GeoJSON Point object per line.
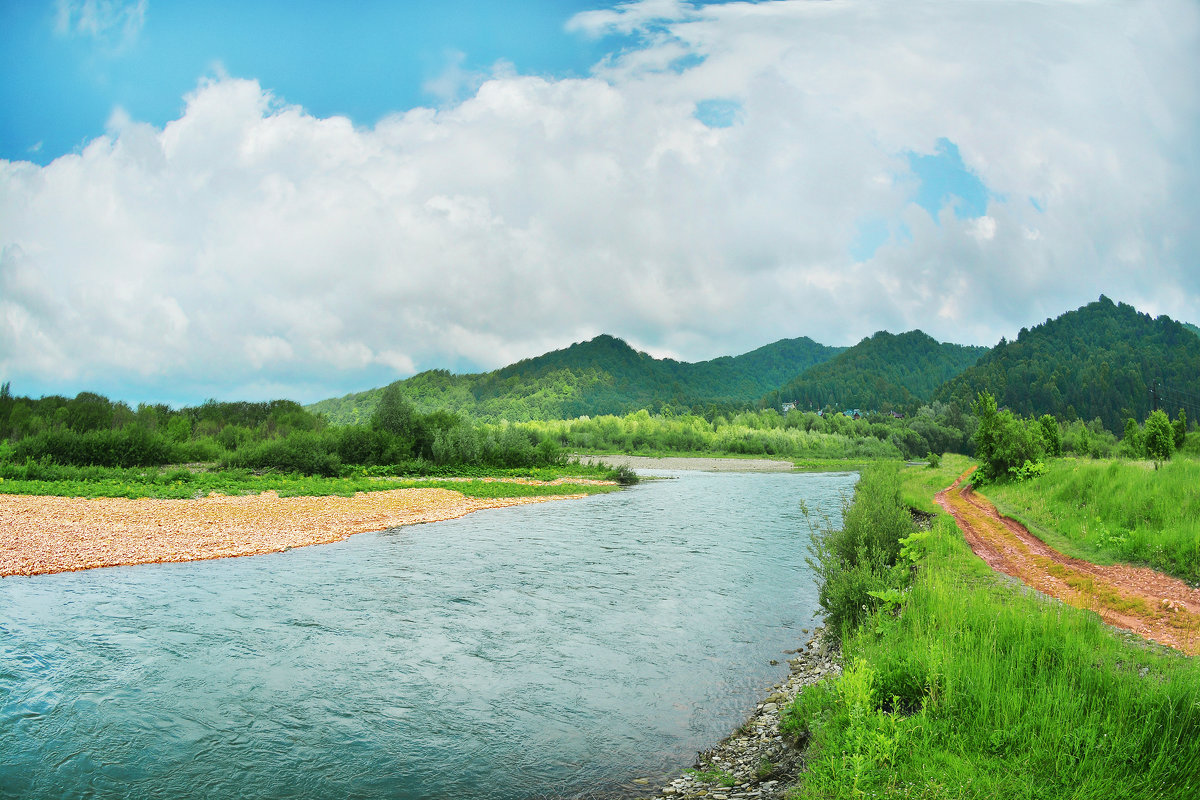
{"type": "Point", "coordinates": [1051, 435]}
{"type": "Point", "coordinates": [856, 563]}
{"type": "Point", "coordinates": [69, 481]}
{"type": "Point", "coordinates": [1097, 361]}
{"type": "Point", "coordinates": [601, 376]}
{"type": "Point", "coordinates": [1005, 443]}
{"type": "Point", "coordinates": [882, 373]}
{"type": "Point", "coordinates": [1160, 438]}
{"type": "Point", "coordinates": [978, 689]}
{"type": "Point", "coordinates": [1114, 510]}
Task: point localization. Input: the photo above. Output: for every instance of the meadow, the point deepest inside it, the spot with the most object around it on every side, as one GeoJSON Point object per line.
{"type": "Point", "coordinates": [959, 684]}
{"type": "Point", "coordinates": [182, 483]}
{"type": "Point", "coordinates": [1108, 511]}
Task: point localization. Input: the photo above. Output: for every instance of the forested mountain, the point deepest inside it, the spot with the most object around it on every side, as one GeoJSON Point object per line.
{"type": "Point", "coordinates": [1191, 328]}
{"type": "Point", "coordinates": [883, 372]}
{"type": "Point", "coordinates": [1097, 361]}
{"type": "Point", "coordinates": [601, 376]}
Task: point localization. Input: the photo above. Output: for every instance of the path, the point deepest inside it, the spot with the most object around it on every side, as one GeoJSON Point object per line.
{"type": "Point", "coordinates": [1153, 605]}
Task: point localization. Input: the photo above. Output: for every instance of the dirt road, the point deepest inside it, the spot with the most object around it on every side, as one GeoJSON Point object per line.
{"type": "Point", "coordinates": [1153, 605]}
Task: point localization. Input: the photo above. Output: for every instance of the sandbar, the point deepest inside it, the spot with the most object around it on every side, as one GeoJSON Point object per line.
{"type": "Point", "coordinates": [42, 534]}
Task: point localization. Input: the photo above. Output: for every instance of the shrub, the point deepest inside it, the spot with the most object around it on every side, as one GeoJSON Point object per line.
{"type": "Point", "coordinates": [860, 557]}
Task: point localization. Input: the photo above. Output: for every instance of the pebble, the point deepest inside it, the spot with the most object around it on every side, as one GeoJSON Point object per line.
{"type": "Point", "coordinates": [758, 740]}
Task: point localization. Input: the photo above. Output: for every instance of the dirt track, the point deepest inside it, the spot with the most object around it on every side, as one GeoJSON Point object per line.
{"type": "Point", "coordinates": [41, 534]}
{"type": "Point", "coordinates": [1151, 604]}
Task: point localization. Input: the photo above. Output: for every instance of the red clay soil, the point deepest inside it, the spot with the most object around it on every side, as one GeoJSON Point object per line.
{"type": "Point", "coordinates": [1153, 605]}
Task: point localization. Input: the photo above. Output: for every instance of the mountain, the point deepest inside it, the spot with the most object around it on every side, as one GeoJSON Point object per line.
{"type": "Point", "coordinates": [1097, 361]}
{"type": "Point", "coordinates": [601, 376]}
{"type": "Point", "coordinates": [882, 372]}
{"type": "Point", "coordinates": [1191, 327]}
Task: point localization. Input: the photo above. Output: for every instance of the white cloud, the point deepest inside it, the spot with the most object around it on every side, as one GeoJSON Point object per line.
{"type": "Point", "coordinates": [114, 24]}
{"type": "Point", "coordinates": [250, 244]}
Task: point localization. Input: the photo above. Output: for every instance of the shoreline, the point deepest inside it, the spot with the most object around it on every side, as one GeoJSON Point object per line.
{"type": "Point", "coordinates": [48, 534]}
{"type": "Point", "coordinates": [699, 463]}
{"type": "Point", "coordinates": [756, 761]}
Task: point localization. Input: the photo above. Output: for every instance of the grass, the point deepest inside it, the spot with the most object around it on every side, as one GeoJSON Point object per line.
{"type": "Point", "coordinates": [1107, 511]}
{"type": "Point", "coordinates": [182, 483]}
{"type": "Point", "coordinates": [976, 688]}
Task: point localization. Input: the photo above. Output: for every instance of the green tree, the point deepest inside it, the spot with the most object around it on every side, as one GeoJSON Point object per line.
{"type": "Point", "coordinates": [1133, 440]}
{"type": "Point", "coordinates": [1160, 437]}
{"type": "Point", "coordinates": [396, 416]}
{"type": "Point", "coordinates": [1180, 426]}
{"type": "Point", "coordinates": [1051, 434]}
{"type": "Point", "coordinates": [1004, 442]}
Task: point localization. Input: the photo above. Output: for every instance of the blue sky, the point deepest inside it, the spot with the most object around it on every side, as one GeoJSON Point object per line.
{"type": "Point", "coordinates": [62, 81]}
{"type": "Point", "coordinates": [258, 200]}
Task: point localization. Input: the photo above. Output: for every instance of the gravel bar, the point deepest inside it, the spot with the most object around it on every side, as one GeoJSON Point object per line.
{"type": "Point", "coordinates": [42, 534]}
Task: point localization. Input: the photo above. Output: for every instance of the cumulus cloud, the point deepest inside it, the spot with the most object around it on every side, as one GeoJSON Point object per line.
{"type": "Point", "coordinates": [248, 246]}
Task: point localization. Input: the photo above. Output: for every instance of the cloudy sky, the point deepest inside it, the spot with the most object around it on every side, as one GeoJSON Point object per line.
{"type": "Point", "coordinates": [285, 199]}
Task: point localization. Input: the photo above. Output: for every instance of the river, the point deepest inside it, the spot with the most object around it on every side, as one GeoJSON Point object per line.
{"type": "Point", "coordinates": [550, 650]}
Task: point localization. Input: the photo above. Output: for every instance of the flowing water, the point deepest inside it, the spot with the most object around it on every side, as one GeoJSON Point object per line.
{"type": "Point", "coordinates": [551, 650]}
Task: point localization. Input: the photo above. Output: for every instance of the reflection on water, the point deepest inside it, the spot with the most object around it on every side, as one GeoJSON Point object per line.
{"type": "Point", "coordinates": [549, 650]}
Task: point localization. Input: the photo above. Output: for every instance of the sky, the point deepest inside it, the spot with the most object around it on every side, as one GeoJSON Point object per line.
{"type": "Point", "coordinates": [262, 200]}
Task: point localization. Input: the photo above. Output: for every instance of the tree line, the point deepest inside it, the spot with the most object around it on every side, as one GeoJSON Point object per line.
{"type": "Point", "coordinates": [91, 430]}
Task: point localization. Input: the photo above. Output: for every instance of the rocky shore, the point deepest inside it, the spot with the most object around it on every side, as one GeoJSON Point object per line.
{"type": "Point", "coordinates": [756, 762]}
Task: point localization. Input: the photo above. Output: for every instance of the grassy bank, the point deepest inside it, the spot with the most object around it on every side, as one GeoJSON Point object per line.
{"type": "Point", "coordinates": [959, 684]}
{"type": "Point", "coordinates": [181, 483]}
{"type": "Point", "coordinates": [1106, 511]}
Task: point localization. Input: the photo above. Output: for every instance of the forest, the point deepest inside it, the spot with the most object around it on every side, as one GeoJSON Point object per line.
{"type": "Point", "coordinates": [1085, 384]}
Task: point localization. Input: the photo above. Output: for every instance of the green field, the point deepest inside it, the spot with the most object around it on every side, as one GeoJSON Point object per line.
{"type": "Point", "coordinates": [1107, 511]}
{"type": "Point", "coordinates": [962, 685]}
{"type": "Point", "coordinates": [181, 483]}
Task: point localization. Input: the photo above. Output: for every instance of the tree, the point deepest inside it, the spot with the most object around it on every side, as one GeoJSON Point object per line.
{"type": "Point", "coordinates": [1160, 437]}
{"type": "Point", "coordinates": [396, 416]}
{"type": "Point", "coordinates": [1004, 442]}
{"type": "Point", "coordinates": [1133, 440]}
{"type": "Point", "coordinates": [1180, 426]}
{"type": "Point", "coordinates": [1052, 435]}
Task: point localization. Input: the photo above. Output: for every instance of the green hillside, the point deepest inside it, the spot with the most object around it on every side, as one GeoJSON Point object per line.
{"type": "Point", "coordinates": [881, 373]}
{"type": "Point", "coordinates": [601, 376]}
{"type": "Point", "coordinates": [1191, 327]}
{"type": "Point", "coordinates": [1097, 361]}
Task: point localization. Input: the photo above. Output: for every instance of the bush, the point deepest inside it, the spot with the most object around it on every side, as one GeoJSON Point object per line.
{"type": "Point", "coordinates": [1004, 442]}
{"type": "Point", "coordinates": [304, 452]}
{"type": "Point", "coordinates": [860, 558]}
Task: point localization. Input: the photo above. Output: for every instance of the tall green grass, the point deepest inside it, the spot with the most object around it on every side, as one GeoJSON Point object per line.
{"type": "Point", "coordinates": [972, 687]}
{"type": "Point", "coordinates": [1114, 511]}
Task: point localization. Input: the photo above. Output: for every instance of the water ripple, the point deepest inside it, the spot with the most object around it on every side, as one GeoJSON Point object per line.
{"type": "Point", "coordinates": [550, 650]}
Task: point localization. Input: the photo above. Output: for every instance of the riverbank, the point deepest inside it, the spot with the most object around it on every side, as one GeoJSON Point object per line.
{"type": "Point", "coordinates": [757, 762]}
{"type": "Point", "coordinates": [47, 534]}
{"type": "Point", "coordinates": [703, 464]}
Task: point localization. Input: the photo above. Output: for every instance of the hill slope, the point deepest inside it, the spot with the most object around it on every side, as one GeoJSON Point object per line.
{"type": "Point", "coordinates": [601, 376]}
{"type": "Point", "coordinates": [882, 372]}
{"type": "Point", "coordinates": [1097, 361]}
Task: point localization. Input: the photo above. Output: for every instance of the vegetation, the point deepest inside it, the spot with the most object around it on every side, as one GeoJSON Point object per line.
{"type": "Point", "coordinates": [1114, 510]}
{"type": "Point", "coordinates": [1098, 361]}
{"type": "Point", "coordinates": [959, 685]}
{"type": "Point", "coordinates": [180, 483]}
{"type": "Point", "coordinates": [91, 431]}
{"type": "Point", "coordinates": [883, 373]}
{"type": "Point", "coordinates": [601, 376]}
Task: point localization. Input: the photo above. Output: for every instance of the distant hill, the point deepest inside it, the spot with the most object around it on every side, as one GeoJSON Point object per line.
{"type": "Point", "coordinates": [601, 376]}
{"type": "Point", "coordinates": [1191, 327]}
{"type": "Point", "coordinates": [881, 373]}
{"type": "Point", "coordinates": [1097, 361]}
